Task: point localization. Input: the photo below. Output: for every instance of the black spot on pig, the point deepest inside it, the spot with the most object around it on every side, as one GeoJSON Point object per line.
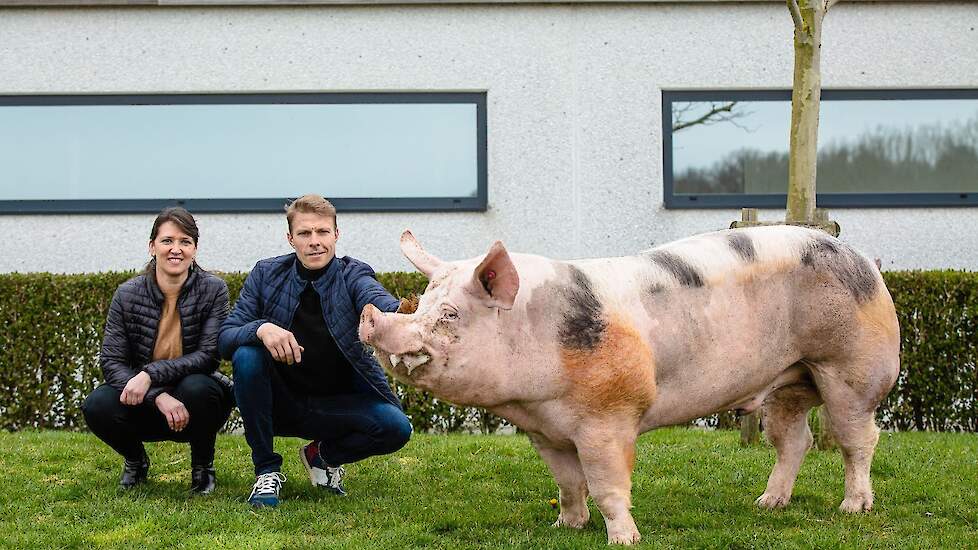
{"type": "Point", "coordinates": [582, 324]}
{"type": "Point", "coordinates": [654, 288]}
{"type": "Point", "coordinates": [680, 269]}
{"type": "Point", "coordinates": [855, 273]}
{"type": "Point", "coordinates": [742, 245]}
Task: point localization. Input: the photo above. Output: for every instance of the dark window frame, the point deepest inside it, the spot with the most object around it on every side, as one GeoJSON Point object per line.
{"type": "Point", "coordinates": [478, 203]}
{"type": "Point", "coordinates": [828, 200]}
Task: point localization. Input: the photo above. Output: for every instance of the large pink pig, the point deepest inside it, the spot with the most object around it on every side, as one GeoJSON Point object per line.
{"type": "Point", "coordinates": [585, 355]}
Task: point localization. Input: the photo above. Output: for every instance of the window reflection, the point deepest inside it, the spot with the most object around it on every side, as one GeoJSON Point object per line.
{"type": "Point", "coordinates": [865, 146]}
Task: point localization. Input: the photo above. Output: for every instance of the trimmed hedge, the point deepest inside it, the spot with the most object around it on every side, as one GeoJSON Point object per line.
{"type": "Point", "coordinates": [938, 385]}
{"type": "Point", "coordinates": [52, 330]}
{"type": "Point", "coordinates": [50, 336]}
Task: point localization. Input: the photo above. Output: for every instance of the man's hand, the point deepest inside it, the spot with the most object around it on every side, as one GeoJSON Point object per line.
{"type": "Point", "coordinates": [173, 410]}
{"type": "Point", "coordinates": [135, 389]}
{"type": "Point", "coordinates": [280, 343]}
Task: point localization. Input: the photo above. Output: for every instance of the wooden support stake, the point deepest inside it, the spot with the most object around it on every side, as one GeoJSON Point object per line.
{"type": "Point", "coordinates": [750, 429]}
{"type": "Point", "coordinates": [823, 436]}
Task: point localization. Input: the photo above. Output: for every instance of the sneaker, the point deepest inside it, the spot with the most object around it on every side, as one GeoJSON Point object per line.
{"type": "Point", "coordinates": [321, 474]}
{"type": "Point", "coordinates": [134, 472]}
{"type": "Point", "coordinates": [266, 489]}
{"type": "Point", "coordinates": [203, 479]}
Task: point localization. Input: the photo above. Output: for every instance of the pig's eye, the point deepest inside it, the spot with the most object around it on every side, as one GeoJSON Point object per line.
{"type": "Point", "coordinates": [449, 316]}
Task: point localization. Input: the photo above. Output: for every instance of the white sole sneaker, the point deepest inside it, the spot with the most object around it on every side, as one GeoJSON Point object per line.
{"type": "Point", "coordinates": [317, 476]}
{"type": "Point", "coordinates": [323, 478]}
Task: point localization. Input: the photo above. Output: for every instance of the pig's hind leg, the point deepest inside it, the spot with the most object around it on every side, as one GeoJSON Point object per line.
{"type": "Point", "coordinates": [567, 472]}
{"type": "Point", "coordinates": [852, 391]}
{"type": "Point", "coordinates": [785, 414]}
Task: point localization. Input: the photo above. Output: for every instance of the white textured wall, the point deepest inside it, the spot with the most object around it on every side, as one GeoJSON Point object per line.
{"type": "Point", "coordinates": [575, 163]}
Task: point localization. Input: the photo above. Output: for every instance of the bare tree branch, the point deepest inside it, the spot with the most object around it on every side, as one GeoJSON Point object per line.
{"type": "Point", "coordinates": [829, 4]}
{"type": "Point", "coordinates": [796, 15]}
{"type": "Point", "coordinates": [679, 111]}
{"type": "Point", "coordinates": [717, 113]}
{"type": "Point", "coordinates": [732, 119]}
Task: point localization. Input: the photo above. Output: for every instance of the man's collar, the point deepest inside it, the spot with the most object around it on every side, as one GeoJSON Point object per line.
{"type": "Point", "coordinates": [311, 274]}
{"type": "Point", "coordinates": [321, 277]}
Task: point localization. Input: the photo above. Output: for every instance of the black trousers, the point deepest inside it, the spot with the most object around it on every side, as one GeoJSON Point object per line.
{"type": "Point", "coordinates": [126, 427]}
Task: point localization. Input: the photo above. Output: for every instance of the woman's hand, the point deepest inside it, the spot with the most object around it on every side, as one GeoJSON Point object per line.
{"type": "Point", "coordinates": [173, 410]}
{"type": "Point", "coordinates": [135, 389]}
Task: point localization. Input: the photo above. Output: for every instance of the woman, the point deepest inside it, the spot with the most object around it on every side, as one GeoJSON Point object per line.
{"type": "Point", "coordinates": [159, 358]}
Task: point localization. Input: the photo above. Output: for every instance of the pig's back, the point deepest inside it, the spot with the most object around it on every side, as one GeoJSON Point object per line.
{"type": "Point", "coordinates": [749, 257]}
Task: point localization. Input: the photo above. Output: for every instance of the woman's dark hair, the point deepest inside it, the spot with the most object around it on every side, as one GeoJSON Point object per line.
{"type": "Point", "coordinates": [182, 219]}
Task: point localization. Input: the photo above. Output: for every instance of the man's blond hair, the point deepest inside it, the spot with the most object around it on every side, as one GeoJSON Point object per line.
{"type": "Point", "coordinates": [310, 204]}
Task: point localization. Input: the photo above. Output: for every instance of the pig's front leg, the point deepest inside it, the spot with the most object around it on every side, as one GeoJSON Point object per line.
{"type": "Point", "coordinates": [567, 471]}
{"type": "Point", "coordinates": [607, 455]}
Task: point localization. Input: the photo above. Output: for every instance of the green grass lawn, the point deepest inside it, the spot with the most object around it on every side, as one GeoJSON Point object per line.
{"type": "Point", "coordinates": [692, 488]}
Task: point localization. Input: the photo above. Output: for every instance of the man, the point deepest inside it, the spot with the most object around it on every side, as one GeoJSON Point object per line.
{"type": "Point", "coordinates": [299, 367]}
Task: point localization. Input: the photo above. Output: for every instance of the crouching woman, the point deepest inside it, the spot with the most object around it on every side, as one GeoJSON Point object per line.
{"type": "Point", "coordinates": [159, 358]}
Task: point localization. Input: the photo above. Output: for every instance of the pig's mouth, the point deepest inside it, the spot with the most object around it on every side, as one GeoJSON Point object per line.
{"type": "Point", "coordinates": [411, 361]}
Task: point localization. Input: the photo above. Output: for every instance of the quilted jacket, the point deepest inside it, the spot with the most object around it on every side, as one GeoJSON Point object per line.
{"type": "Point", "coordinates": [133, 322]}
{"type": "Point", "coordinates": [271, 294]}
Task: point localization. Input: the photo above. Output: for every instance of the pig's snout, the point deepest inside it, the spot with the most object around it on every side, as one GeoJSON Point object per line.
{"type": "Point", "coordinates": [389, 332]}
{"type": "Point", "coordinates": [368, 323]}
{"type": "Point", "coordinates": [395, 334]}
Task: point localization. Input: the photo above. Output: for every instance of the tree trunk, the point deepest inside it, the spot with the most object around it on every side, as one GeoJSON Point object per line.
{"type": "Point", "coordinates": [805, 96]}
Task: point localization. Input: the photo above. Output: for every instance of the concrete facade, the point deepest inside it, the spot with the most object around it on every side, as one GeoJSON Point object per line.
{"type": "Point", "coordinates": [574, 111]}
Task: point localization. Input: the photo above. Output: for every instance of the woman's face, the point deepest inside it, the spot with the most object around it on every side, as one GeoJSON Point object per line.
{"type": "Point", "coordinates": [173, 249]}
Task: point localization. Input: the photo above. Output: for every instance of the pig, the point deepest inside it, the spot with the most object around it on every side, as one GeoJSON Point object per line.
{"type": "Point", "coordinates": [585, 355]}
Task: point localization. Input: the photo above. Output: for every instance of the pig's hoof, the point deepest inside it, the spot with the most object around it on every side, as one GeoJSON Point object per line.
{"type": "Point", "coordinates": [772, 501]}
{"type": "Point", "coordinates": [576, 521]}
{"type": "Point", "coordinates": [857, 504]}
{"type": "Point", "coordinates": [625, 537]}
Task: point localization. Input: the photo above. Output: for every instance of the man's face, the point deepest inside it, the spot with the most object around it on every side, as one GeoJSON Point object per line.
{"type": "Point", "coordinates": [314, 239]}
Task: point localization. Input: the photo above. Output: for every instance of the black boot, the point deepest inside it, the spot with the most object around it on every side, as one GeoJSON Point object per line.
{"type": "Point", "coordinates": [203, 479]}
{"type": "Point", "coordinates": [134, 472]}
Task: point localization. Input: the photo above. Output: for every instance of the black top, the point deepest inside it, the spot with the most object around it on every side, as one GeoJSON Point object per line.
{"type": "Point", "coordinates": [324, 369]}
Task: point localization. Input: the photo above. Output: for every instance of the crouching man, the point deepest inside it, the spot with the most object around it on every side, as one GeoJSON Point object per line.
{"type": "Point", "coordinates": [299, 367]}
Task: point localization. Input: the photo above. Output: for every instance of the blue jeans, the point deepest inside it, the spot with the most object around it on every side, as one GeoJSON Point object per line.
{"type": "Point", "coordinates": [350, 427]}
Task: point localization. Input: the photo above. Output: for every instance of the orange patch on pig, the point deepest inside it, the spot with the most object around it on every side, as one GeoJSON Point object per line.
{"type": "Point", "coordinates": [747, 274]}
{"type": "Point", "coordinates": [630, 457]}
{"type": "Point", "coordinates": [879, 316]}
{"type": "Point", "coordinates": [618, 375]}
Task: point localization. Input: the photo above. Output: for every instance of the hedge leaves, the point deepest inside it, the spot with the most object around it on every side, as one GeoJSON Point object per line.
{"type": "Point", "coordinates": [51, 331]}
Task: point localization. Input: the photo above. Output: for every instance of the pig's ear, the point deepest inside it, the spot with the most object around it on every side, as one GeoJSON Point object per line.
{"type": "Point", "coordinates": [415, 253]}
{"type": "Point", "coordinates": [497, 276]}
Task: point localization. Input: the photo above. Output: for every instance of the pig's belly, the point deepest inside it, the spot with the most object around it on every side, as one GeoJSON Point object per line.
{"type": "Point", "coordinates": [715, 351]}
{"type": "Point", "coordinates": [726, 375]}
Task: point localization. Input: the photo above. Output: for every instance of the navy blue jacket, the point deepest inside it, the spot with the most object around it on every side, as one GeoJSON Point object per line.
{"type": "Point", "coordinates": [271, 295]}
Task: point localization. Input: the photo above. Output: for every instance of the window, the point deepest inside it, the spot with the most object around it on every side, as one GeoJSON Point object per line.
{"type": "Point", "coordinates": [242, 152]}
{"type": "Point", "coordinates": [876, 148]}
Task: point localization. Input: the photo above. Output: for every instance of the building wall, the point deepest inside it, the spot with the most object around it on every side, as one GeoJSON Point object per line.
{"type": "Point", "coordinates": [574, 112]}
